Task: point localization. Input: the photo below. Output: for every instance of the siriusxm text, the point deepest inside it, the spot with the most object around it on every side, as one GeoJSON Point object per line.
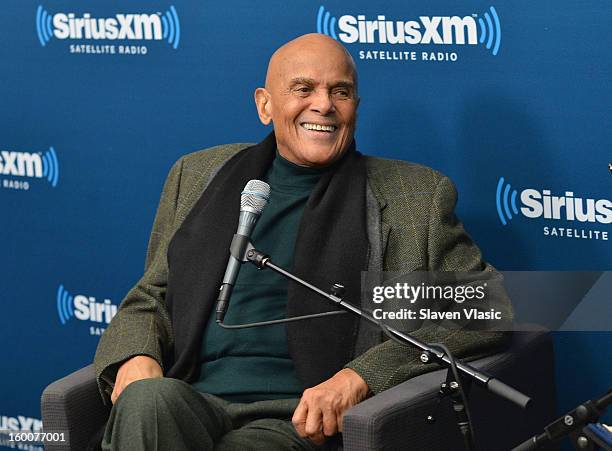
{"type": "Point", "coordinates": [87, 309]}
{"type": "Point", "coordinates": [21, 164]}
{"type": "Point", "coordinates": [20, 423]}
{"type": "Point", "coordinates": [567, 207]}
{"type": "Point", "coordinates": [425, 30]}
{"type": "Point", "coordinates": [121, 26]}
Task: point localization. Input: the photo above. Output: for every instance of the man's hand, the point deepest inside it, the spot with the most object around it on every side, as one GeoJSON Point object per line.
{"type": "Point", "coordinates": [134, 369]}
{"type": "Point", "coordinates": [321, 409]}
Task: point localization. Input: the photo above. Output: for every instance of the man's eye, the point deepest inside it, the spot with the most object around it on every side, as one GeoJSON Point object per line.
{"type": "Point", "coordinates": [302, 89]}
{"type": "Point", "coordinates": [342, 93]}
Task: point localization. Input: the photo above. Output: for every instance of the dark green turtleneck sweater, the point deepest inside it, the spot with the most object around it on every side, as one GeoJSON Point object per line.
{"type": "Point", "coordinates": [254, 364]}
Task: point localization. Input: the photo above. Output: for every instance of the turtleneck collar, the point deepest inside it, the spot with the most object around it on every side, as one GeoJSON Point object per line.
{"type": "Point", "coordinates": [287, 175]}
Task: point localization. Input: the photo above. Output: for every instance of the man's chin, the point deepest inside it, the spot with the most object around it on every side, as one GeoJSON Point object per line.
{"type": "Point", "coordinates": [320, 156]}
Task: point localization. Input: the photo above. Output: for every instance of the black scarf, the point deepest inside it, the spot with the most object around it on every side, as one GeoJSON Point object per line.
{"type": "Point", "coordinates": [331, 247]}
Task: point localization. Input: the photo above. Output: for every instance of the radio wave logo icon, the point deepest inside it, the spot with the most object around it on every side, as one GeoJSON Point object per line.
{"type": "Point", "coordinates": [491, 31]}
{"type": "Point", "coordinates": [43, 25]}
{"type": "Point", "coordinates": [171, 27]}
{"type": "Point", "coordinates": [505, 199]}
{"type": "Point", "coordinates": [50, 166]}
{"type": "Point", "coordinates": [65, 305]}
{"type": "Point", "coordinates": [326, 23]}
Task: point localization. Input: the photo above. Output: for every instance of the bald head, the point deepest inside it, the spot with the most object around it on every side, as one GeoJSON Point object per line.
{"type": "Point", "coordinates": [311, 98]}
{"type": "Point", "coordinates": [305, 48]}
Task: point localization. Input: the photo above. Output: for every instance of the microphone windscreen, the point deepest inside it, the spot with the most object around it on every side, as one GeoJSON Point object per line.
{"type": "Point", "coordinates": [255, 196]}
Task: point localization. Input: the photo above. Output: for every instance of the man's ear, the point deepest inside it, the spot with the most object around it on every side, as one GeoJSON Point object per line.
{"type": "Point", "coordinates": [264, 105]}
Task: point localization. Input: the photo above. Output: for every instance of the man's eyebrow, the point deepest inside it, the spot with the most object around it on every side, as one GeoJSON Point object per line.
{"type": "Point", "coordinates": [310, 81]}
{"type": "Point", "coordinates": [344, 84]}
{"type": "Point", "coordinates": [301, 81]}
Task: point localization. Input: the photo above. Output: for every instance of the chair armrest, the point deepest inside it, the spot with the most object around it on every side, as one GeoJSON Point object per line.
{"type": "Point", "coordinates": [389, 419]}
{"type": "Point", "coordinates": [396, 418]}
{"type": "Point", "coordinates": [73, 405]}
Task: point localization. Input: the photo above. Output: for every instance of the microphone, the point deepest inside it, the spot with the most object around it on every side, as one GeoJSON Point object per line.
{"type": "Point", "coordinates": [253, 200]}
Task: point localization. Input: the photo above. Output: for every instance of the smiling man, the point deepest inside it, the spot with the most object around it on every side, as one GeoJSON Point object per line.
{"type": "Point", "coordinates": [176, 379]}
{"type": "Point", "coordinates": [311, 97]}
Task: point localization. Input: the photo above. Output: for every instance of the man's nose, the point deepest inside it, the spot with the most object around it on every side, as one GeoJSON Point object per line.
{"type": "Point", "coordinates": [321, 102]}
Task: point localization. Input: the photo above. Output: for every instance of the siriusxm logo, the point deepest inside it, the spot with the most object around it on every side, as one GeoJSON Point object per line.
{"type": "Point", "coordinates": [20, 423]}
{"type": "Point", "coordinates": [467, 30]}
{"type": "Point", "coordinates": [148, 27]}
{"type": "Point", "coordinates": [33, 165]}
{"type": "Point", "coordinates": [542, 204]}
{"type": "Point", "coordinates": [83, 308]}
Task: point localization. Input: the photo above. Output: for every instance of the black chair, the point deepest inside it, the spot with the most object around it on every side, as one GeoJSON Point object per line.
{"type": "Point", "coordinates": [392, 420]}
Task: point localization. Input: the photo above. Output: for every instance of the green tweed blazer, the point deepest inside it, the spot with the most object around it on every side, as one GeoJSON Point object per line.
{"type": "Point", "coordinates": [411, 226]}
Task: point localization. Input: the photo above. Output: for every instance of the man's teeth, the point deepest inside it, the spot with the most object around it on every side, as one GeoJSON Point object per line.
{"type": "Point", "coordinates": [324, 128]}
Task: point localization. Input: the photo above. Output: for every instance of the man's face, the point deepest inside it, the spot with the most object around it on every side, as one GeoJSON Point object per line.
{"type": "Point", "coordinates": [311, 98]}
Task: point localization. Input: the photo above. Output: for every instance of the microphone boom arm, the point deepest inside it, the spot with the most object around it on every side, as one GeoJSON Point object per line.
{"type": "Point", "coordinates": [429, 353]}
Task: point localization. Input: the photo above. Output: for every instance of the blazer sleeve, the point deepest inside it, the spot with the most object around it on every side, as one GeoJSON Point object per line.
{"type": "Point", "coordinates": [449, 248]}
{"type": "Point", "coordinates": [142, 325]}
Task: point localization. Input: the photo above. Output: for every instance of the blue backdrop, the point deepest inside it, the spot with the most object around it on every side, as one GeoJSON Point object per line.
{"type": "Point", "coordinates": [511, 100]}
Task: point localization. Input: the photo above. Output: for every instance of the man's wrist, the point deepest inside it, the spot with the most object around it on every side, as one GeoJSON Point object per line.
{"type": "Point", "coordinates": [357, 384]}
